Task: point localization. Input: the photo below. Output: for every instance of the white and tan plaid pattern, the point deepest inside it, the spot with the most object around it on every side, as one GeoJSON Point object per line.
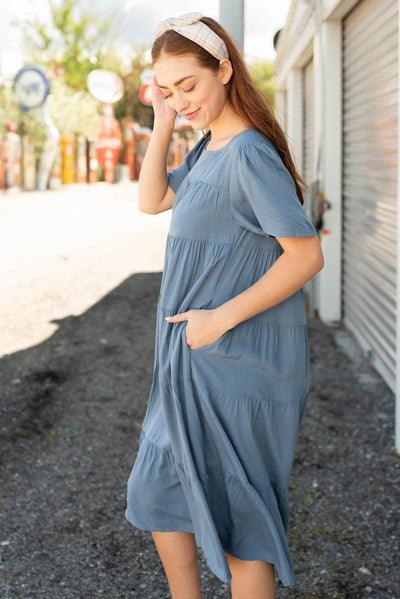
{"type": "Point", "coordinates": [190, 26]}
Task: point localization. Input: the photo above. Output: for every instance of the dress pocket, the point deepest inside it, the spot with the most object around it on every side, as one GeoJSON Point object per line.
{"type": "Point", "coordinates": [213, 345]}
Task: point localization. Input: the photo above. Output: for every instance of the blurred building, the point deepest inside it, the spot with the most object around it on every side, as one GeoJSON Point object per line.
{"type": "Point", "coordinates": [337, 69]}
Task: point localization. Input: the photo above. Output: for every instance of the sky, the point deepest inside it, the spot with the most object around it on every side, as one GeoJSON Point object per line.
{"type": "Point", "coordinates": [138, 20]}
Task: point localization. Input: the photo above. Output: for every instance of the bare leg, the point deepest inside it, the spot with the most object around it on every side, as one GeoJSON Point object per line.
{"type": "Point", "coordinates": [178, 554]}
{"type": "Point", "coordinates": [255, 579]}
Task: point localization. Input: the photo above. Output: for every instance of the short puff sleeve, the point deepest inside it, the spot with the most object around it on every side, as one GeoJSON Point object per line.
{"type": "Point", "coordinates": [263, 194]}
{"type": "Point", "coordinates": [176, 176]}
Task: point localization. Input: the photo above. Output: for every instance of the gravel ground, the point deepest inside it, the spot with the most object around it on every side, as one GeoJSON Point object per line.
{"type": "Point", "coordinates": [71, 410]}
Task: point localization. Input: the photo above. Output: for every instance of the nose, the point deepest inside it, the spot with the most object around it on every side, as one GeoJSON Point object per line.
{"type": "Point", "coordinates": [181, 103]}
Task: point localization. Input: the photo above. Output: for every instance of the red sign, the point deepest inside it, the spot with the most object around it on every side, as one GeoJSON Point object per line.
{"type": "Point", "coordinates": [145, 94]}
{"type": "Point", "coordinates": [108, 142]}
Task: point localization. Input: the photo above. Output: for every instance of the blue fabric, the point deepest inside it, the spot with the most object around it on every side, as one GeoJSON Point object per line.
{"type": "Point", "coordinates": [218, 438]}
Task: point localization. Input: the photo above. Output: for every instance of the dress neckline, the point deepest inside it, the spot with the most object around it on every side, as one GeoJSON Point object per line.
{"type": "Point", "coordinates": [227, 144]}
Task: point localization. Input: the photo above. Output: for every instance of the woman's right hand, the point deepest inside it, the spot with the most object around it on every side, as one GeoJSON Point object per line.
{"type": "Point", "coordinates": [162, 109]}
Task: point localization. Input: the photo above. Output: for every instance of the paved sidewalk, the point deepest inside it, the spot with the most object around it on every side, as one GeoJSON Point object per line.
{"type": "Point", "coordinates": [64, 249]}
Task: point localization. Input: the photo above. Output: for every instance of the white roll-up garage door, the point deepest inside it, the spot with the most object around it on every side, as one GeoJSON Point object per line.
{"type": "Point", "coordinates": [370, 88]}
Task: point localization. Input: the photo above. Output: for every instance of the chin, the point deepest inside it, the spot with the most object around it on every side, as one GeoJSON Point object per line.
{"type": "Point", "coordinates": [200, 125]}
{"type": "Point", "coordinates": [197, 127]}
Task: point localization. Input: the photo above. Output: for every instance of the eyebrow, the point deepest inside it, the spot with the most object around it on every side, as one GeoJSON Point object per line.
{"type": "Point", "coordinates": [177, 82]}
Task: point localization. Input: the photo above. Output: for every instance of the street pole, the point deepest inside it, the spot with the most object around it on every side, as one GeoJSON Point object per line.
{"type": "Point", "coordinates": [231, 16]}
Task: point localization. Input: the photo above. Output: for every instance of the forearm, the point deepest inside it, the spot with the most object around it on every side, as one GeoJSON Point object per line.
{"type": "Point", "coordinates": [153, 179]}
{"type": "Point", "coordinates": [301, 260]}
{"type": "Point", "coordinates": [286, 276]}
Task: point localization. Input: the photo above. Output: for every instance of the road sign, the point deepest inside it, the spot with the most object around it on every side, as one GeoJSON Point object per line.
{"type": "Point", "coordinates": [105, 86]}
{"type": "Point", "coordinates": [31, 87]}
{"type": "Point", "coordinates": [145, 94]}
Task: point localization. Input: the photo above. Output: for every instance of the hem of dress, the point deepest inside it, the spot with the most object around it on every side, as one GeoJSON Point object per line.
{"type": "Point", "coordinates": [288, 582]}
{"type": "Point", "coordinates": [131, 520]}
{"type": "Point", "coordinates": [157, 528]}
{"type": "Point", "coordinates": [163, 528]}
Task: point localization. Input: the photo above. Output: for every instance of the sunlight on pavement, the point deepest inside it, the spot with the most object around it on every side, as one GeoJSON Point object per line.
{"type": "Point", "coordinates": [64, 250]}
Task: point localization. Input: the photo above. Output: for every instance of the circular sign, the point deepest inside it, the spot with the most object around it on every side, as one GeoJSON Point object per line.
{"type": "Point", "coordinates": [31, 87]}
{"type": "Point", "coordinates": [145, 94]}
{"type": "Point", "coordinates": [105, 86]}
{"type": "Point", "coordinates": [146, 76]}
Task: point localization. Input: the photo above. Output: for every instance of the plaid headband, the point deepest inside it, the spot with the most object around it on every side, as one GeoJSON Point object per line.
{"type": "Point", "coordinates": [190, 26]}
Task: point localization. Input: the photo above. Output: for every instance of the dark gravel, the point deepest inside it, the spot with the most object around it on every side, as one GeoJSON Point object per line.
{"type": "Point", "coordinates": [71, 410]}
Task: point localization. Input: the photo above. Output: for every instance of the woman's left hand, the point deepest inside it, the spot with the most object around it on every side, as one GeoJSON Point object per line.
{"type": "Point", "coordinates": [203, 327]}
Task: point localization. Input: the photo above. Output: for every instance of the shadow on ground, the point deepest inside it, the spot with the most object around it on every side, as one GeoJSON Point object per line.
{"type": "Point", "coordinates": [71, 411]}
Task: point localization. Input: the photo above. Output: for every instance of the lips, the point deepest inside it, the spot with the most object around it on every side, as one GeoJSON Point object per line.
{"type": "Point", "coordinates": [191, 115]}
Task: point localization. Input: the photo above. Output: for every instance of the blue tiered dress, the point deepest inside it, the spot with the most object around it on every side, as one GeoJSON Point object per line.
{"type": "Point", "coordinates": [219, 434]}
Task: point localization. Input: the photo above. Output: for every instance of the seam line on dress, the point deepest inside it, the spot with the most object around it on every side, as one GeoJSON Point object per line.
{"type": "Point", "coordinates": [153, 444]}
{"type": "Point", "coordinates": [195, 180]}
{"type": "Point", "coordinates": [167, 310]}
{"type": "Point", "coordinates": [226, 243]}
{"type": "Point", "coordinates": [252, 396]}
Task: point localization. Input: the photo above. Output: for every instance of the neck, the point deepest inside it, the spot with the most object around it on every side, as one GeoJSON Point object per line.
{"type": "Point", "coordinates": [227, 125]}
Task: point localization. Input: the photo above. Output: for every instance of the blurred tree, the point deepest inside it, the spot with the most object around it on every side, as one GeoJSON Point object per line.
{"type": "Point", "coordinates": [74, 42]}
{"type": "Point", "coordinates": [71, 111]}
{"type": "Point", "coordinates": [8, 108]}
{"type": "Point", "coordinates": [130, 106]}
{"type": "Point", "coordinates": [263, 76]}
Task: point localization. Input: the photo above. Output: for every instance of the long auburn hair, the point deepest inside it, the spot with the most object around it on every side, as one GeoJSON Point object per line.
{"type": "Point", "coordinates": [246, 100]}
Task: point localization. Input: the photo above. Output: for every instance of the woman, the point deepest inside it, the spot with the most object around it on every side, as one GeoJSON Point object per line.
{"type": "Point", "coordinates": [231, 362]}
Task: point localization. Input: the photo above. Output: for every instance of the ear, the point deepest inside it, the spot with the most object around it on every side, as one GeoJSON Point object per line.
{"type": "Point", "coordinates": [225, 70]}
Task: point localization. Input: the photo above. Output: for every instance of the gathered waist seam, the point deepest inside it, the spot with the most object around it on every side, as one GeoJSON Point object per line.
{"type": "Point", "coordinates": [167, 311]}
{"type": "Point", "coordinates": [225, 243]}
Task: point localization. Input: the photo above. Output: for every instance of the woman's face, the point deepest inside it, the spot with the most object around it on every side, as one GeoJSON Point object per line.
{"type": "Point", "coordinates": [197, 93]}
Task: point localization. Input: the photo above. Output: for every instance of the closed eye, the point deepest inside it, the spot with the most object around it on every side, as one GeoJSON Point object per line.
{"type": "Point", "coordinates": [185, 91]}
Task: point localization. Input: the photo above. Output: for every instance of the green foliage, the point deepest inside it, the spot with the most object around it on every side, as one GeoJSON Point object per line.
{"type": "Point", "coordinates": [73, 42]}
{"type": "Point", "coordinates": [71, 111]}
{"type": "Point", "coordinates": [71, 45]}
{"type": "Point", "coordinates": [8, 108]}
{"type": "Point", "coordinates": [263, 76]}
{"type": "Point", "coordinates": [130, 106]}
